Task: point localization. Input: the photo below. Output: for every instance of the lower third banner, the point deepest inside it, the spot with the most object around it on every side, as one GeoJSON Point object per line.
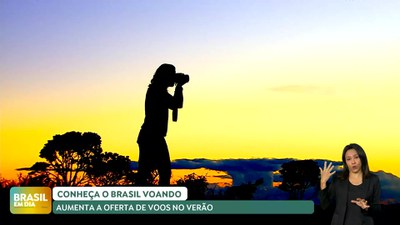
{"type": "Point", "coordinates": [185, 207]}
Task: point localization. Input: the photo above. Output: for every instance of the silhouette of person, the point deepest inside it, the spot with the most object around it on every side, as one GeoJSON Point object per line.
{"type": "Point", "coordinates": [355, 193]}
{"type": "Point", "coordinates": [153, 148]}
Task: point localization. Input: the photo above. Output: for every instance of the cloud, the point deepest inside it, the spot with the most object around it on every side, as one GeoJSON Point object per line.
{"type": "Point", "coordinates": [241, 170]}
{"type": "Point", "coordinates": [245, 171]}
{"type": "Point", "coordinates": [390, 185]}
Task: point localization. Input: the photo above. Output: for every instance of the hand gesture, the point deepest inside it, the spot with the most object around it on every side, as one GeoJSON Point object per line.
{"type": "Point", "coordinates": [361, 202]}
{"type": "Point", "coordinates": [326, 173]}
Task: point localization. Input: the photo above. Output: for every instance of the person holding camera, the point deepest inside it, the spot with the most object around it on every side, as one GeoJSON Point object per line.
{"type": "Point", "coordinates": [153, 148]}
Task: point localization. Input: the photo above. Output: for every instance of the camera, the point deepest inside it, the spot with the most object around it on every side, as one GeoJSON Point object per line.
{"type": "Point", "coordinates": [181, 78]}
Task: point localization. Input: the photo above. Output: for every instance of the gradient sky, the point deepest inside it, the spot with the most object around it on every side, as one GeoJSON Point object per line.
{"type": "Point", "coordinates": [268, 79]}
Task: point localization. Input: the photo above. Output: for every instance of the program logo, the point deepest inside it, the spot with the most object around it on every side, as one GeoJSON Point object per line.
{"type": "Point", "coordinates": [30, 200]}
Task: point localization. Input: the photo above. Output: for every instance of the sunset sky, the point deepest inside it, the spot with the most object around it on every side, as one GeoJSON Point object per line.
{"type": "Point", "coordinates": [268, 79]}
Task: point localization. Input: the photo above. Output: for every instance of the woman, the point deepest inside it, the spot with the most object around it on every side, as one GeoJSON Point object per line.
{"type": "Point", "coordinates": [355, 193]}
{"type": "Point", "coordinates": [153, 148]}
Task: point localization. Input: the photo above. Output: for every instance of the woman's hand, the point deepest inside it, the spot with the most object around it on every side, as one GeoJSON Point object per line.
{"type": "Point", "coordinates": [361, 202]}
{"type": "Point", "coordinates": [326, 173]}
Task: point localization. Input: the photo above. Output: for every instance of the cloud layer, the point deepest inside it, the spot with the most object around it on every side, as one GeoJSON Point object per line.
{"type": "Point", "coordinates": [244, 171]}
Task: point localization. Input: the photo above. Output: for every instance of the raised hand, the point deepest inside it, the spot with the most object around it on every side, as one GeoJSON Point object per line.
{"type": "Point", "coordinates": [326, 173]}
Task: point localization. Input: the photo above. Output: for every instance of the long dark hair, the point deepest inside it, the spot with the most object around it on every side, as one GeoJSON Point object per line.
{"type": "Point", "coordinates": [363, 157]}
{"type": "Point", "coordinates": [163, 73]}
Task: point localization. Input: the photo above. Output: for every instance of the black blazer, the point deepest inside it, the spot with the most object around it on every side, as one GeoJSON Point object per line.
{"type": "Point", "coordinates": [335, 195]}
